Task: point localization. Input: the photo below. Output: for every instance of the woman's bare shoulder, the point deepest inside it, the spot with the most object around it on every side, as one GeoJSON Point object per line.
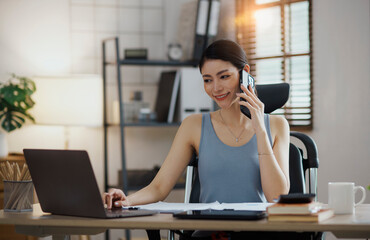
{"type": "Point", "coordinates": [190, 130]}
{"type": "Point", "coordinates": [278, 121]}
{"type": "Point", "coordinates": [192, 121]}
{"type": "Point", "coordinates": [279, 125]}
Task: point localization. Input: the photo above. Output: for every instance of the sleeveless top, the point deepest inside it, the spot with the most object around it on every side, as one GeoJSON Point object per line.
{"type": "Point", "coordinates": [229, 174]}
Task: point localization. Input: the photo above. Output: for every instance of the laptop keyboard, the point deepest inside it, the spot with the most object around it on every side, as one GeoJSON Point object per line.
{"type": "Point", "coordinates": [116, 213]}
{"type": "Point", "coordinates": [119, 213]}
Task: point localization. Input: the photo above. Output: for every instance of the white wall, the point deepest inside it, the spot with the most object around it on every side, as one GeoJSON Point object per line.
{"type": "Point", "coordinates": [341, 48]}
{"type": "Point", "coordinates": [34, 37]}
{"type": "Point", "coordinates": [341, 55]}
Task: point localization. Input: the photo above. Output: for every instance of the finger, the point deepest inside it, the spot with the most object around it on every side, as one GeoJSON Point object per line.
{"type": "Point", "coordinates": [111, 190]}
{"type": "Point", "coordinates": [121, 203]}
{"type": "Point", "coordinates": [104, 195]}
{"type": "Point", "coordinates": [250, 92]}
{"type": "Point", "coordinates": [255, 112]}
{"type": "Point", "coordinates": [242, 96]}
{"type": "Point", "coordinates": [253, 94]}
{"type": "Point", "coordinates": [116, 193]}
{"type": "Point", "coordinates": [243, 88]}
{"type": "Point", "coordinates": [249, 99]}
{"type": "Point", "coordinates": [250, 88]}
{"type": "Point", "coordinates": [252, 109]}
{"type": "Point", "coordinates": [109, 200]}
{"type": "Point", "coordinates": [105, 200]}
{"type": "Point", "coordinates": [247, 90]}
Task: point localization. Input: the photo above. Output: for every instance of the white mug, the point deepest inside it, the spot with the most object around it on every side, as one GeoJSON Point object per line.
{"type": "Point", "coordinates": [342, 197]}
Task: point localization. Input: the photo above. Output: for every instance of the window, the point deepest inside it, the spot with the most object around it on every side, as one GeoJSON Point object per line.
{"type": "Point", "coordinates": [276, 35]}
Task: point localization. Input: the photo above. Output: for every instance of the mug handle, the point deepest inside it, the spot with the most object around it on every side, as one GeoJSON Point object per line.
{"type": "Point", "coordinates": [363, 194]}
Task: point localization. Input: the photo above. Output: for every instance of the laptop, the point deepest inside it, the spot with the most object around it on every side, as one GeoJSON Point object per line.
{"type": "Point", "coordinates": [66, 185]}
{"type": "Point", "coordinates": [226, 214]}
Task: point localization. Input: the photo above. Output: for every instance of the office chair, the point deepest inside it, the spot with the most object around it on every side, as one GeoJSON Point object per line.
{"type": "Point", "coordinates": [298, 164]}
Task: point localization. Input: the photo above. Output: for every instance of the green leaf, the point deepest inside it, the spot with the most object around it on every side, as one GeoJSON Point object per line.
{"type": "Point", "coordinates": [15, 101]}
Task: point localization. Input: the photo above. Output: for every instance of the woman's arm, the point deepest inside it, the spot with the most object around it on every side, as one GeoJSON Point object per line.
{"type": "Point", "coordinates": [274, 161]}
{"type": "Point", "coordinates": [173, 166]}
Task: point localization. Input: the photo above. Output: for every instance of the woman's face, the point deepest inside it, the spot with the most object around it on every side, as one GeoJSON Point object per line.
{"type": "Point", "coordinates": [221, 81]}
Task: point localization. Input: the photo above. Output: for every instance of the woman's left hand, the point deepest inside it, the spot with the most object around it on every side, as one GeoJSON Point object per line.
{"type": "Point", "coordinates": [255, 106]}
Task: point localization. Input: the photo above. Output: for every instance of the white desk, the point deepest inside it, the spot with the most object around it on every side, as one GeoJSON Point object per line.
{"type": "Point", "coordinates": [38, 223]}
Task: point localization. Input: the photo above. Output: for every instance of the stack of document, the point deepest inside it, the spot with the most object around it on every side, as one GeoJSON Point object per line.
{"type": "Point", "coordinates": [298, 212]}
{"type": "Point", "coordinates": [294, 208]}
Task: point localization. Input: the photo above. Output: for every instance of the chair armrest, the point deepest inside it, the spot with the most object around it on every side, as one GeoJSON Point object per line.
{"type": "Point", "coordinates": [312, 160]}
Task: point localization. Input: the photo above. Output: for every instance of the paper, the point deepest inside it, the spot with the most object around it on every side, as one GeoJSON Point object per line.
{"type": "Point", "coordinates": [166, 207]}
{"type": "Point", "coordinates": [246, 206]}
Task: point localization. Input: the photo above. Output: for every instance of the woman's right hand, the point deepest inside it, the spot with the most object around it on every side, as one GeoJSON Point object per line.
{"type": "Point", "coordinates": [115, 198]}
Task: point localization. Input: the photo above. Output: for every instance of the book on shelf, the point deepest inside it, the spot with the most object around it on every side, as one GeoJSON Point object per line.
{"type": "Point", "coordinates": [319, 216]}
{"type": "Point", "coordinates": [294, 208]}
{"type": "Point", "coordinates": [174, 99]}
{"type": "Point", "coordinates": [167, 96]}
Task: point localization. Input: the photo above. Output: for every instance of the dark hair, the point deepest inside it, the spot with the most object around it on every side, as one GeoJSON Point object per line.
{"type": "Point", "coordinates": [225, 50]}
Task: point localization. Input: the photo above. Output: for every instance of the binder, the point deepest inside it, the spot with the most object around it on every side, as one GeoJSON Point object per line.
{"type": "Point", "coordinates": [206, 25]}
{"type": "Point", "coordinates": [164, 95]}
{"type": "Point", "coordinates": [174, 97]}
{"type": "Point", "coordinates": [193, 98]}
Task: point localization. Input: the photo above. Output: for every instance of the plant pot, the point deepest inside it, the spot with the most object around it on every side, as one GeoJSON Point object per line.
{"type": "Point", "coordinates": [3, 145]}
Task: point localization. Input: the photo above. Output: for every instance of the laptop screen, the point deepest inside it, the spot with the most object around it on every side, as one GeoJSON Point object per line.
{"type": "Point", "coordinates": [65, 182]}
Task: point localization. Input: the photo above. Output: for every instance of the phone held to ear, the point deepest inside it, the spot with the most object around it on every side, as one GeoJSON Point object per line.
{"type": "Point", "coordinates": [246, 79]}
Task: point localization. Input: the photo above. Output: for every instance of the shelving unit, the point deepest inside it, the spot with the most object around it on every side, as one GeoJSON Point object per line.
{"type": "Point", "coordinates": [118, 63]}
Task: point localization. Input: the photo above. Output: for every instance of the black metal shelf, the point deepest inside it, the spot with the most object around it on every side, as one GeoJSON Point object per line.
{"type": "Point", "coordinates": [144, 124]}
{"type": "Point", "coordinates": [145, 62]}
{"type": "Point", "coordinates": [117, 63]}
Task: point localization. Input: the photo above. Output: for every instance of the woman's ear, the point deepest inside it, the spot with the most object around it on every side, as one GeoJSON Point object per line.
{"type": "Point", "coordinates": [247, 68]}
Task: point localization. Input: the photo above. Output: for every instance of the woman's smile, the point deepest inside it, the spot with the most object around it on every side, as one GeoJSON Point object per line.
{"type": "Point", "coordinates": [221, 97]}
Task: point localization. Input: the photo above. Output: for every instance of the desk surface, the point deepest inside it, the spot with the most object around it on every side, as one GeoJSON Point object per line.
{"type": "Point", "coordinates": [357, 225]}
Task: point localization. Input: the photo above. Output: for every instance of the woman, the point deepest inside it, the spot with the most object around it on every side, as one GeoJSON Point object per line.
{"type": "Point", "coordinates": [240, 159]}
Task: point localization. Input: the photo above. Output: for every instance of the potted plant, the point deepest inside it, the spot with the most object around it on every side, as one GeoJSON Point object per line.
{"type": "Point", "coordinates": [15, 101]}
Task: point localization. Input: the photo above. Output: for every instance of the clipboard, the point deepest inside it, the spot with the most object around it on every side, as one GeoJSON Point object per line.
{"type": "Point", "coordinates": [227, 214]}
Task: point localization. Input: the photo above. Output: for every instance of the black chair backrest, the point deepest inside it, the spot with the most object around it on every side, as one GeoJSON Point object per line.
{"type": "Point", "coordinates": [195, 186]}
{"type": "Point", "coordinates": [274, 96]}
{"type": "Point", "coordinates": [296, 172]}
{"type": "Point", "coordinates": [312, 160]}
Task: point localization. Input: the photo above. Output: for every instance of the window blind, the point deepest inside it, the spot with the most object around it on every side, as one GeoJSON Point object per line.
{"type": "Point", "coordinates": [276, 35]}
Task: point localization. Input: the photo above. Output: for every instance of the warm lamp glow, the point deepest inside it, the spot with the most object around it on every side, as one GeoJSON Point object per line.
{"type": "Point", "coordinates": [264, 18]}
{"type": "Point", "coordinates": [75, 100]}
{"type": "Point", "coordinates": [241, 20]}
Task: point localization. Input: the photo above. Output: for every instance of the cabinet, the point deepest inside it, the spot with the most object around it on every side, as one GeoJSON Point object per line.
{"type": "Point", "coordinates": [117, 63]}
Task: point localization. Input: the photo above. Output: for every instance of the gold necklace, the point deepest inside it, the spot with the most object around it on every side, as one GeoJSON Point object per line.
{"type": "Point", "coordinates": [236, 138]}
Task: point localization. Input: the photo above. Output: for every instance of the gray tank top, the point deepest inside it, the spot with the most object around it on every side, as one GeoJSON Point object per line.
{"type": "Point", "coordinates": [229, 174]}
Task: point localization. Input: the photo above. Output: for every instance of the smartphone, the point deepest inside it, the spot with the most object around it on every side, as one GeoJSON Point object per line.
{"type": "Point", "coordinates": [297, 198]}
{"type": "Point", "coordinates": [246, 79]}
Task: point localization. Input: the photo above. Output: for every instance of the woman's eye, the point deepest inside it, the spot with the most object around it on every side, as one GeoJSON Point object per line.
{"type": "Point", "coordinates": [207, 80]}
{"type": "Point", "coordinates": [225, 76]}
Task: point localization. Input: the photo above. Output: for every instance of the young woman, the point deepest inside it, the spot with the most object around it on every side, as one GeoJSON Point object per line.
{"type": "Point", "coordinates": [240, 159]}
